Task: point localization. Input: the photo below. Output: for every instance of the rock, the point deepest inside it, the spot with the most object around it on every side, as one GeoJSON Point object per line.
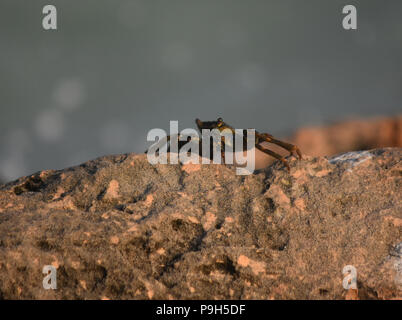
{"type": "Point", "coordinates": [352, 135]}
{"type": "Point", "coordinates": [119, 228]}
{"type": "Point", "coordinates": [343, 136]}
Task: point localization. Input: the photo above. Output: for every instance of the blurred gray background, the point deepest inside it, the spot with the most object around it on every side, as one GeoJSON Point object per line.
{"type": "Point", "coordinates": [116, 69]}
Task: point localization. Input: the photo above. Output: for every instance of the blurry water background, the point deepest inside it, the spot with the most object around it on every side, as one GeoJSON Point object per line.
{"type": "Point", "coordinates": [115, 69]}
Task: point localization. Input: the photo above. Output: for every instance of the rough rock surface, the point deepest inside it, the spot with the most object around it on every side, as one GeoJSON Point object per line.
{"type": "Point", "coordinates": [119, 228]}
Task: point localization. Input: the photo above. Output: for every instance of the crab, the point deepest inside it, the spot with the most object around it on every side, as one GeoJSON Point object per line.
{"type": "Point", "coordinates": [259, 138]}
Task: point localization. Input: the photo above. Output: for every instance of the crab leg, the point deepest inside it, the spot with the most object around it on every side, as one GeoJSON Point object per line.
{"type": "Point", "coordinates": [290, 147]}
{"type": "Point", "coordinates": [273, 154]}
